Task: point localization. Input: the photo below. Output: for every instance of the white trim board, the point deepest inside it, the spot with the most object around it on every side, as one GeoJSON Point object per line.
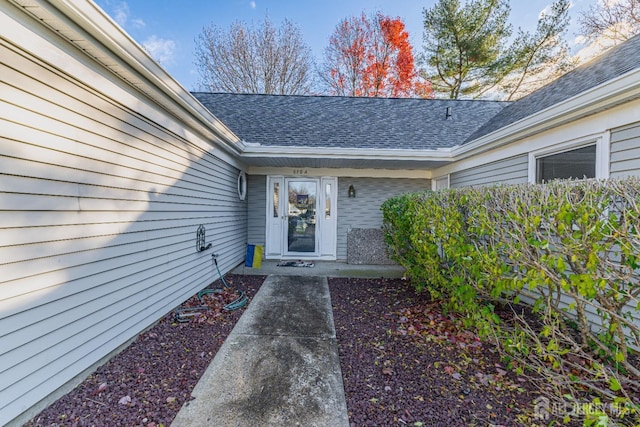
{"type": "Point", "coordinates": [443, 178]}
{"type": "Point", "coordinates": [592, 127]}
{"type": "Point", "coordinates": [341, 172]}
{"type": "Point", "coordinates": [601, 141]}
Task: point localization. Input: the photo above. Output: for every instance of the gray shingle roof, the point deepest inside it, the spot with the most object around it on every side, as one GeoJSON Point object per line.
{"type": "Point", "coordinates": [324, 121]}
{"type": "Point", "coordinates": [611, 64]}
{"type": "Point", "coordinates": [382, 123]}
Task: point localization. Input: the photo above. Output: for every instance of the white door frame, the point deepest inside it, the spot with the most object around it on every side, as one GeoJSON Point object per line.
{"type": "Point", "coordinates": [274, 218]}
{"type": "Point", "coordinates": [276, 221]}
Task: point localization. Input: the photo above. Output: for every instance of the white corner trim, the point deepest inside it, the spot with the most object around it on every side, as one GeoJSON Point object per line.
{"type": "Point", "coordinates": [603, 155]}
{"type": "Point", "coordinates": [531, 174]}
{"type": "Point", "coordinates": [446, 178]}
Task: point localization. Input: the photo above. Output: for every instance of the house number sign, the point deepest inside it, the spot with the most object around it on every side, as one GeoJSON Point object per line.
{"type": "Point", "coordinates": [300, 172]}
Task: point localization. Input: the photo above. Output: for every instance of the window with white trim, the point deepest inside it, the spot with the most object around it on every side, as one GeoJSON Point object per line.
{"type": "Point", "coordinates": [586, 157]}
{"type": "Point", "coordinates": [578, 163]}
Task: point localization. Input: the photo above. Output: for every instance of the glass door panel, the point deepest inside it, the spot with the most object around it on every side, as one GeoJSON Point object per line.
{"type": "Point", "coordinates": [301, 210]}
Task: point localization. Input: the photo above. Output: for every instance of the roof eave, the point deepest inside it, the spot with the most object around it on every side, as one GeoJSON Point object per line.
{"type": "Point", "coordinates": [263, 151]}
{"type": "Point", "coordinates": [130, 62]}
{"type": "Point", "coordinates": [604, 96]}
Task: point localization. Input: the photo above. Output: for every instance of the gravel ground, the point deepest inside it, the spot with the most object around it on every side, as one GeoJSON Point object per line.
{"type": "Point", "coordinates": [148, 382]}
{"type": "Point", "coordinates": [403, 363]}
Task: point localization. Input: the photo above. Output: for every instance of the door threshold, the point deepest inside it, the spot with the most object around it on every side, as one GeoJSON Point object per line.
{"type": "Point", "coordinates": [297, 263]}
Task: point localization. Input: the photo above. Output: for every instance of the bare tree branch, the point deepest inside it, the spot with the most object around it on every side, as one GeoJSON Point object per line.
{"type": "Point", "coordinates": [261, 59]}
{"type": "Point", "coordinates": [613, 20]}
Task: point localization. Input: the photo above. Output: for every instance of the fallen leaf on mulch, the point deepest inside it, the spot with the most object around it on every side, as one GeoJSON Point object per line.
{"type": "Point", "coordinates": [440, 371]}
{"type": "Point", "coordinates": [147, 383]}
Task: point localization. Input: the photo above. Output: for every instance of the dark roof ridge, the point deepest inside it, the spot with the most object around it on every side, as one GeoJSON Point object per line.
{"type": "Point", "coordinates": [611, 64]}
{"type": "Point", "coordinates": [323, 96]}
{"type": "Point", "coordinates": [342, 122]}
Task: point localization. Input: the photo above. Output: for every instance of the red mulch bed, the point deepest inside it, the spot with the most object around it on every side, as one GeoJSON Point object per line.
{"type": "Point", "coordinates": [147, 383]}
{"type": "Point", "coordinates": [403, 362]}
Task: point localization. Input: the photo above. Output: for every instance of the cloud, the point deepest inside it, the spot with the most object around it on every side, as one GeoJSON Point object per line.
{"type": "Point", "coordinates": [544, 12]}
{"type": "Point", "coordinates": [580, 40]}
{"type": "Point", "coordinates": [121, 13]}
{"type": "Point", "coordinates": [138, 23]}
{"type": "Point", "coordinates": [162, 50]}
{"type": "Point", "coordinates": [252, 4]}
{"type": "Point", "coordinates": [590, 50]}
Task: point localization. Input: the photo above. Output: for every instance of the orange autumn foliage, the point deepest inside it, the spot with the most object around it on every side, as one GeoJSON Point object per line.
{"type": "Point", "coordinates": [373, 57]}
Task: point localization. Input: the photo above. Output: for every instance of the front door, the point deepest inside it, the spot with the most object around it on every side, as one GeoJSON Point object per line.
{"type": "Point", "coordinates": [300, 230]}
{"type": "Point", "coordinates": [301, 217]}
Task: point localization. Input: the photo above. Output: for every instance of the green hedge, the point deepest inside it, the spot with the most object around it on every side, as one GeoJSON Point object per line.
{"type": "Point", "coordinates": [571, 248]}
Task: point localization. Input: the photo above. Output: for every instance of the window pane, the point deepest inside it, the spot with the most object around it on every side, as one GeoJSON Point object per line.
{"type": "Point", "coordinates": [302, 216]}
{"type": "Point", "coordinates": [579, 163]}
{"type": "Point", "coordinates": [276, 199]}
{"type": "Point", "coordinates": [327, 202]}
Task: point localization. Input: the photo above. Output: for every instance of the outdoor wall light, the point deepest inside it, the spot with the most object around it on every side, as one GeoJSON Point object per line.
{"type": "Point", "coordinates": [352, 191]}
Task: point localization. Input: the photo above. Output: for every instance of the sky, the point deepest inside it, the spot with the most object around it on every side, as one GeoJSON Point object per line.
{"type": "Point", "coordinates": [168, 28]}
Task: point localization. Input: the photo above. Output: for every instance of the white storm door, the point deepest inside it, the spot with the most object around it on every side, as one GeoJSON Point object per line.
{"type": "Point", "coordinates": [327, 216]}
{"type": "Point", "coordinates": [276, 216]}
{"type": "Point", "coordinates": [300, 232]}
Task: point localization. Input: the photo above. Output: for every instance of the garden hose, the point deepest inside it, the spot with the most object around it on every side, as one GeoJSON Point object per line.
{"type": "Point", "coordinates": [183, 315]}
{"type": "Point", "coordinates": [239, 302]}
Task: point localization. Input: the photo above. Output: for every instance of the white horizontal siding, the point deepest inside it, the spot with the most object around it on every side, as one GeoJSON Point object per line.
{"type": "Point", "coordinates": [625, 151]}
{"type": "Point", "coordinates": [513, 170]}
{"type": "Point", "coordinates": [99, 208]}
{"type": "Point", "coordinates": [363, 211]}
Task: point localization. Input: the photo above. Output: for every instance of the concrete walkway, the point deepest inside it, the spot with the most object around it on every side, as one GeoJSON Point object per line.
{"type": "Point", "coordinates": [278, 367]}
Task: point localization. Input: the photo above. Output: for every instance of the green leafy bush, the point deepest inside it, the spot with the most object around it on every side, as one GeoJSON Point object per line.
{"type": "Point", "coordinates": [569, 248]}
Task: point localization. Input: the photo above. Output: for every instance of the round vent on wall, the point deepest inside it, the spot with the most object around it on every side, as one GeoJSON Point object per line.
{"type": "Point", "coordinates": [242, 185]}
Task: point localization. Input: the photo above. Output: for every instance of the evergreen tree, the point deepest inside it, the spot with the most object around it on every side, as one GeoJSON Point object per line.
{"type": "Point", "coordinates": [541, 57]}
{"type": "Point", "coordinates": [464, 45]}
{"type": "Point", "coordinates": [467, 49]}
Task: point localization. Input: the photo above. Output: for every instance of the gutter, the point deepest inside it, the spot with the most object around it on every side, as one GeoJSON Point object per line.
{"type": "Point", "coordinates": [261, 151]}
{"type": "Point", "coordinates": [599, 98]}
{"type": "Point", "coordinates": [83, 22]}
